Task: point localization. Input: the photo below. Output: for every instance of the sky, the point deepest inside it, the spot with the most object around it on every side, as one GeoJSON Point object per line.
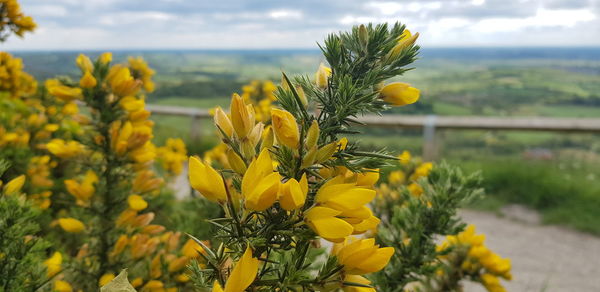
{"type": "Point", "coordinates": [252, 24]}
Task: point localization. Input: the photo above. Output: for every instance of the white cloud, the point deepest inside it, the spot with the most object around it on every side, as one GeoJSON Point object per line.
{"type": "Point", "coordinates": [134, 17]}
{"type": "Point", "coordinates": [46, 10]}
{"type": "Point", "coordinates": [285, 14]}
{"type": "Point", "coordinates": [543, 18]}
{"type": "Point", "coordinates": [391, 8]}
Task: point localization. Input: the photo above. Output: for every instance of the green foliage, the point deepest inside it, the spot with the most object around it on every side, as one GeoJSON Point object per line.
{"type": "Point", "coordinates": [21, 250]}
{"type": "Point", "coordinates": [410, 224]}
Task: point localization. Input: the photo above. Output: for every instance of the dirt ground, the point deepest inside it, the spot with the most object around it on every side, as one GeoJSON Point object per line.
{"type": "Point", "coordinates": [544, 258]}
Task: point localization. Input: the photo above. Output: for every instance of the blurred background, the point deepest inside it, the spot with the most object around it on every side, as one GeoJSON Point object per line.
{"type": "Point", "coordinates": [491, 58]}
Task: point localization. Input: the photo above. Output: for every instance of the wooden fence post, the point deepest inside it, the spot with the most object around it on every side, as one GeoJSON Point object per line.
{"type": "Point", "coordinates": [429, 139]}
{"type": "Point", "coordinates": [195, 127]}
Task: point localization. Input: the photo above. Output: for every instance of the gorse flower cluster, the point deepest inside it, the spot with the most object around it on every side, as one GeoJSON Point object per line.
{"type": "Point", "coordinates": [12, 78]}
{"type": "Point", "coordinates": [12, 20]}
{"type": "Point", "coordinates": [465, 255]}
{"type": "Point", "coordinates": [290, 180]}
{"type": "Point", "coordinates": [108, 221]}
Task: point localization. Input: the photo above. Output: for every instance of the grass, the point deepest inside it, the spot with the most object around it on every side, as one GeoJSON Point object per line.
{"type": "Point", "coordinates": [564, 194]}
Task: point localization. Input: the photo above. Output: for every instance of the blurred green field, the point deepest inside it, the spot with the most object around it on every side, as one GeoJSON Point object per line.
{"type": "Point", "coordinates": [555, 173]}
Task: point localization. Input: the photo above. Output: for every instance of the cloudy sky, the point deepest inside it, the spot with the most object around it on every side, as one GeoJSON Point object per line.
{"type": "Point", "coordinates": [239, 24]}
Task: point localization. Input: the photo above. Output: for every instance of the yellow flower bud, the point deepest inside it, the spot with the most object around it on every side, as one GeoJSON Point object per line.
{"type": "Point", "coordinates": [62, 286]}
{"type": "Point", "coordinates": [87, 80]}
{"type": "Point", "coordinates": [14, 185]}
{"type": "Point", "coordinates": [285, 128]}
{"type": "Point", "coordinates": [136, 202]}
{"type": "Point", "coordinates": [84, 63]}
{"type": "Point", "coordinates": [312, 136]}
{"type": "Point", "coordinates": [71, 225]}
{"type": "Point", "coordinates": [63, 92]}
{"type": "Point", "coordinates": [309, 158]}
{"type": "Point", "coordinates": [325, 152]}
{"type": "Point", "coordinates": [322, 76]}
{"type": "Point", "coordinates": [399, 94]}
{"type": "Point", "coordinates": [267, 138]}
{"type": "Point", "coordinates": [105, 279]}
{"type": "Point", "coordinates": [406, 40]}
{"type": "Point", "coordinates": [235, 162]}
{"type": "Point", "coordinates": [241, 116]}
{"type": "Point", "coordinates": [105, 58]}
{"type": "Point", "coordinates": [223, 122]}
{"type": "Point", "coordinates": [53, 264]}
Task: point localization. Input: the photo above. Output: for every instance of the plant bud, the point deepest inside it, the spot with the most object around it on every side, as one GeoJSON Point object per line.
{"type": "Point", "coordinates": [241, 118]}
{"type": "Point", "coordinates": [309, 158]}
{"type": "Point", "coordinates": [312, 137]}
{"type": "Point", "coordinates": [399, 94]}
{"type": "Point", "coordinates": [247, 148]}
{"type": "Point", "coordinates": [285, 128]}
{"type": "Point", "coordinates": [302, 96]}
{"type": "Point", "coordinates": [363, 35]}
{"type": "Point", "coordinates": [87, 81]}
{"type": "Point", "coordinates": [326, 152]}
{"type": "Point", "coordinates": [235, 162]}
{"type": "Point", "coordinates": [267, 138]}
{"type": "Point", "coordinates": [322, 76]}
{"type": "Point", "coordinates": [222, 121]}
{"type": "Point", "coordinates": [84, 63]}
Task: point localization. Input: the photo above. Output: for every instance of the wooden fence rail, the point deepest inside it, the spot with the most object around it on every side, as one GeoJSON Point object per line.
{"type": "Point", "coordinates": [428, 123]}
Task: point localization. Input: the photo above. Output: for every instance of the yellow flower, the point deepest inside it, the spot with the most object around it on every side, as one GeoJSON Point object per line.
{"type": "Point", "coordinates": [62, 286]}
{"type": "Point", "coordinates": [137, 202]}
{"type": "Point", "coordinates": [362, 256]}
{"type": "Point", "coordinates": [71, 225]}
{"type": "Point", "coordinates": [404, 158]}
{"type": "Point", "coordinates": [324, 222]}
{"type": "Point", "coordinates": [312, 136]}
{"type": "Point", "coordinates": [415, 189]}
{"type": "Point", "coordinates": [285, 128]}
{"type": "Point", "coordinates": [396, 177]}
{"type": "Point", "coordinates": [406, 40]}
{"type": "Point", "coordinates": [322, 76]}
{"type": "Point", "coordinates": [206, 180]}
{"type": "Point", "coordinates": [223, 122]}
{"type": "Point", "coordinates": [105, 58]}
{"type": "Point", "coordinates": [14, 185]}
{"type": "Point", "coordinates": [85, 190]}
{"type": "Point", "coordinates": [153, 285]}
{"type": "Point", "coordinates": [243, 273]}
{"type": "Point", "coordinates": [343, 196]}
{"type": "Point", "coordinates": [121, 81]}
{"type": "Point", "coordinates": [242, 116]}
{"type": "Point", "coordinates": [367, 178]}
{"type": "Point", "coordinates": [293, 193]}
{"type": "Point", "coordinates": [216, 287]}
{"type": "Point", "coordinates": [105, 279]}
{"type": "Point", "coordinates": [178, 264]}
{"type": "Point", "coordinates": [492, 283]}
{"type": "Point", "coordinates": [359, 280]}
{"type": "Point", "coordinates": [64, 149]}
{"type": "Point", "coordinates": [84, 63]}
{"type": "Point", "coordinates": [399, 94]}
{"type": "Point", "coordinates": [63, 92]}
{"type": "Point", "coordinates": [53, 264]}
{"type": "Point", "coordinates": [422, 170]}
{"type": "Point", "coordinates": [260, 185]}
{"type": "Point", "coordinates": [235, 161]}
{"type": "Point", "coordinates": [191, 249]}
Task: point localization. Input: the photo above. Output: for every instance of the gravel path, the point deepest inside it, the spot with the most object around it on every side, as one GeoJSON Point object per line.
{"type": "Point", "coordinates": [544, 258]}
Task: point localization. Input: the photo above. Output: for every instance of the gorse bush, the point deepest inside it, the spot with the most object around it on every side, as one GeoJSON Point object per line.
{"type": "Point", "coordinates": [287, 202]}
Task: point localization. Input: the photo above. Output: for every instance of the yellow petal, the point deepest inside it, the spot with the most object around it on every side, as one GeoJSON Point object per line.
{"type": "Point", "coordinates": [399, 94]}
{"type": "Point", "coordinates": [14, 185]}
{"type": "Point", "coordinates": [243, 274]}
{"type": "Point", "coordinates": [323, 221]}
{"type": "Point", "coordinates": [71, 225]}
{"type": "Point", "coordinates": [206, 180]}
{"type": "Point", "coordinates": [136, 202]}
